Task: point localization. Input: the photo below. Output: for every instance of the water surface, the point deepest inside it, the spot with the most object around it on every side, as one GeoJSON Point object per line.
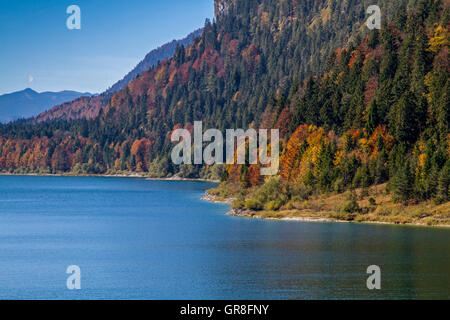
{"type": "Point", "coordinates": [138, 239]}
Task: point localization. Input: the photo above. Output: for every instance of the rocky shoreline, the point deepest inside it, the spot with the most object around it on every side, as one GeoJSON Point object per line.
{"type": "Point", "coordinates": [251, 214]}
{"type": "Point", "coordinates": [118, 175]}
{"type": "Point", "coordinates": [243, 213]}
{"type": "Point", "coordinates": [211, 198]}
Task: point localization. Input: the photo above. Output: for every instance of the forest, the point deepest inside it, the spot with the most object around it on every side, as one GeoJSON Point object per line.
{"type": "Point", "coordinates": [355, 108]}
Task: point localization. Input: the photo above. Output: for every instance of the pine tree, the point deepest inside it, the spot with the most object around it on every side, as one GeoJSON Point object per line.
{"type": "Point", "coordinates": [372, 118]}
{"type": "Point", "coordinates": [402, 184]}
{"type": "Point", "coordinates": [402, 119]}
{"type": "Point", "coordinates": [443, 188]}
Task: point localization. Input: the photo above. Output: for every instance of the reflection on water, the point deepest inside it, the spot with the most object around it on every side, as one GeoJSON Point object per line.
{"type": "Point", "coordinates": [137, 239]}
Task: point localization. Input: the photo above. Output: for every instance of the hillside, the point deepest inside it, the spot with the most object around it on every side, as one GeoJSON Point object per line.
{"type": "Point", "coordinates": [355, 109]}
{"type": "Point", "coordinates": [152, 58]}
{"type": "Point", "coordinates": [89, 107]}
{"type": "Point", "coordinates": [28, 103]}
{"type": "Point", "coordinates": [83, 107]}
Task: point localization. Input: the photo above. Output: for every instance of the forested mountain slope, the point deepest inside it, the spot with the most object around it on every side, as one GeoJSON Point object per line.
{"type": "Point", "coordinates": [355, 108]}
{"type": "Point", "coordinates": [89, 107]}
{"type": "Point", "coordinates": [153, 57]}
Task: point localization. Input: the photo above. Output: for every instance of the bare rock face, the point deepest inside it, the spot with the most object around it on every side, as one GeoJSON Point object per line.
{"type": "Point", "coordinates": [221, 7]}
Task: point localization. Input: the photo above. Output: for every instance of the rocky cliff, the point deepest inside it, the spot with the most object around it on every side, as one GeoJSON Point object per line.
{"type": "Point", "coordinates": [222, 6]}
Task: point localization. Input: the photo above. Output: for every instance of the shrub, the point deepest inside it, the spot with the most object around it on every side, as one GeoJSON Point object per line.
{"type": "Point", "coordinates": [273, 205]}
{"type": "Point", "coordinates": [300, 191]}
{"type": "Point", "coordinates": [253, 204]}
{"type": "Point", "coordinates": [272, 190]}
{"type": "Point", "coordinates": [342, 216]}
{"type": "Point", "coordinates": [351, 206]}
{"type": "Point", "coordinates": [238, 204]}
{"type": "Point", "coordinates": [364, 193]}
{"type": "Point", "coordinates": [339, 185]}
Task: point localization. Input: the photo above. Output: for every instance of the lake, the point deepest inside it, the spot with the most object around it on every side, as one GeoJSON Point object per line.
{"type": "Point", "coordinates": [139, 239]}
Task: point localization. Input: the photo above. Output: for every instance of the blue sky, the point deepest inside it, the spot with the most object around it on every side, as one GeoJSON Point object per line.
{"type": "Point", "coordinates": [38, 51]}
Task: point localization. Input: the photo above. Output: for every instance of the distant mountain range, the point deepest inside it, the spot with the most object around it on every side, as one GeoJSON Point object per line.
{"type": "Point", "coordinates": [75, 105]}
{"type": "Point", "coordinates": [28, 103]}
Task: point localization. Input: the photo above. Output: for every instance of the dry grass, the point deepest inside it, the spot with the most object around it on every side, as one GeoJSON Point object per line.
{"type": "Point", "coordinates": [381, 208]}
{"type": "Point", "coordinates": [375, 205]}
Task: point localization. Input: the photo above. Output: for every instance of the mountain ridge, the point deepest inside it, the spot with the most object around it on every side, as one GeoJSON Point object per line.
{"type": "Point", "coordinates": [28, 102]}
{"type": "Point", "coordinates": [90, 107]}
{"type": "Point", "coordinates": [151, 59]}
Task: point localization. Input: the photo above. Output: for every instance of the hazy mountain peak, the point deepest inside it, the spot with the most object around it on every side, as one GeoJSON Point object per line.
{"type": "Point", "coordinates": [28, 102]}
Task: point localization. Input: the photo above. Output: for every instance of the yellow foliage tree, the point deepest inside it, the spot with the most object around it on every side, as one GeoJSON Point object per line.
{"type": "Point", "coordinates": [440, 39]}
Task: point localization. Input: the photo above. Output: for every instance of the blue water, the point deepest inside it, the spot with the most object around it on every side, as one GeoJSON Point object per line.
{"type": "Point", "coordinates": [138, 239]}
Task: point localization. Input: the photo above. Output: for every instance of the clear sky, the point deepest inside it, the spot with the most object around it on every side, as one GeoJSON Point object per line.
{"type": "Point", "coordinates": [37, 50]}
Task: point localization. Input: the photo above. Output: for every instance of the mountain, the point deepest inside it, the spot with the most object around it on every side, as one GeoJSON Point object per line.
{"type": "Point", "coordinates": [89, 107]}
{"type": "Point", "coordinates": [355, 108]}
{"type": "Point", "coordinates": [28, 103]}
{"type": "Point", "coordinates": [153, 57]}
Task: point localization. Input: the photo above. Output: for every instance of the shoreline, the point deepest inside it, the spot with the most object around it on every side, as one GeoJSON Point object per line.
{"type": "Point", "coordinates": [240, 213]}
{"type": "Point", "coordinates": [214, 199]}
{"type": "Point", "coordinates": [119, 175]}
{"type": "Point", "coordinates": [251, 214]}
